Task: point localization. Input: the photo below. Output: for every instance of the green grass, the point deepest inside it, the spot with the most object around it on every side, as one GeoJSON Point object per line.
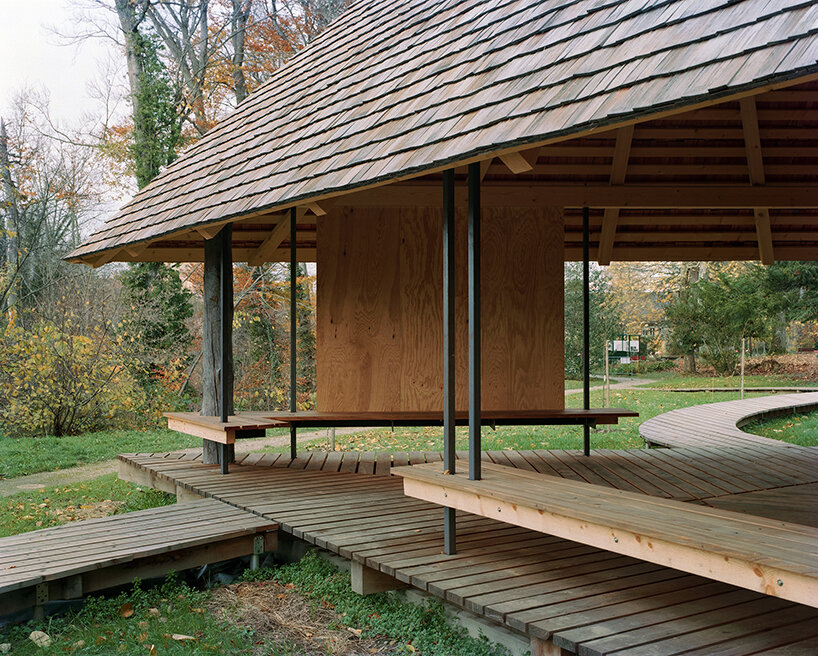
{"type": "Point", "coordinates": [577, 384]}
{"type": "Point", "coordinates": [625, 435]}
{"type": "Point", "coordinates": [31, 455]}
{"type": "Point", "coordinates": [795, 429]}
{"type": "Point", "coordinates": [29, 511]}
{"type": "Point", "coordinates": [105, 626]}
{"type": "Point", "coordinates": [669, 380]}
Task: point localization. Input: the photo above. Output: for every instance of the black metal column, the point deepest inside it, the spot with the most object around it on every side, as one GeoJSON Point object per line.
{"type": "Point", "coordinates": [586, 327]}
{"type": "Point", "coordinates": [475, 409]}
{"type": "Point", "coordinates": [293, 328]}
{"type": "Point", "coordinates": [449, 522]}
{"type": "Point", "coordinates": [226, 311]}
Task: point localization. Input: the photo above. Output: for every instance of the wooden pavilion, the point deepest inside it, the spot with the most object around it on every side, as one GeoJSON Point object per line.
{"type": "Point", "coordinates": [441, 159]}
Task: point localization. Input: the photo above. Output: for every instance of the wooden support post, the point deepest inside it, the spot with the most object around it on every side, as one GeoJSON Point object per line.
{"type": "Point", "coordinates": [217, 352]}
{"type": "Point", "coordinates": [183, 495]}
{"type": "Point", "coordinates": [366, 581]}
{"type": "Point", "coordinates": [475, 401]}
{"type": "Point", "coordinates": [586, 328]}
{"type": "Point", "coordinates": [449, 521]}
{"type": "Point", "coordinates": [293, 329]}
{"type": "Point", "coordinates": [545, 648]}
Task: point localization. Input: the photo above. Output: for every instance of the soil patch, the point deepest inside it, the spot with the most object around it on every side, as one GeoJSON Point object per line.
{"type": "Point", "coordinates": [297, 625]}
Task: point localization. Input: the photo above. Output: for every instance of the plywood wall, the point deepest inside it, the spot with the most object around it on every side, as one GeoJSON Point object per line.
{"type": "Point", "coordinates": [379, 330]}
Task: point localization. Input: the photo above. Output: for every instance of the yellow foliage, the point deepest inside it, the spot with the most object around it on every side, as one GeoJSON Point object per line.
{"type": "Point", "coordinates": [56, 383]}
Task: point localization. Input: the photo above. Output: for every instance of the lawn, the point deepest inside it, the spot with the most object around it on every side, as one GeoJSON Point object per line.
{"type": "Point", "coordinates": [796, 429]}
{"type": "Point", "coordinates": [99, 497]}
{"type": "Point", "coordinates": [30, 455]}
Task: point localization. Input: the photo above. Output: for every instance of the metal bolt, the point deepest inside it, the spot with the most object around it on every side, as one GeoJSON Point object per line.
{"type": "Point", "coordinates": [445, 495]}
{"type": "Point", "coordinates": [780, 582]}
{"type": "Point", "coordinates": [616, 539]}
{"type": "Point", "coordinates": [499, 510]}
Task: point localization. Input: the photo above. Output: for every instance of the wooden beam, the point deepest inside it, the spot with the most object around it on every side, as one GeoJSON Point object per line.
{"type": "Point", "coordinates": [525, 194]}
{"type": "Point", "coordinates": [269, 245]}
{"type": "Point", "coordinates": [521, 161]}
{"type": "Point", "coordinates": [764, 235]}
{"type": "Point", "coordinates": [619, 167]}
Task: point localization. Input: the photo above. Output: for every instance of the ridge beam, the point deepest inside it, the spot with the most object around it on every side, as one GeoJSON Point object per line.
{"type": "Point", "coordinates": [619, 168]}
{"type": "Point", "coordinates": [755, 166]}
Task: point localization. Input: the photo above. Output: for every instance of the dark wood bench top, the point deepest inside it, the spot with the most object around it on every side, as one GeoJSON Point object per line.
{"type": "Point", "coordinates": [774, 557]}
{"type": "Point", "coordinates": [490, 417]}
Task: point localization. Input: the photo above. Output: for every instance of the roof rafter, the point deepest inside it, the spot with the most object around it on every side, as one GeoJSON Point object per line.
{"type": "Point", "coordinates": [619, 168]}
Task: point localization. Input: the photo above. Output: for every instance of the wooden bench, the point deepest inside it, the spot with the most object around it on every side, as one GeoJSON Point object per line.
{"type": "Point", "coordinates": [246, 424]}
{"type": "Point", "coordinates": [773, 557]}
{"type": "Point", "coordinates": [68, 561]}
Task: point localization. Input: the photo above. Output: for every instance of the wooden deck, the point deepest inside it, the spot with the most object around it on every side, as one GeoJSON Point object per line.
{"type": "Point", "coordinates": [719, 424]}
{"type": "Point", "coordinates": [580, 598]}
{"type": "Point", "coordinates": [68, 561]}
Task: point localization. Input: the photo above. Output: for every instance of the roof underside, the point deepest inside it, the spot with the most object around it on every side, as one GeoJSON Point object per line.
{"type": "Point", "coordinates": [396, 91]}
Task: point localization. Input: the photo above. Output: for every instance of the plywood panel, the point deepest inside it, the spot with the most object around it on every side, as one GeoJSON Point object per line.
{"type": "Point", "coordinates": [380, 310]}
{"type": "Point", "coordinates": [358, 321]}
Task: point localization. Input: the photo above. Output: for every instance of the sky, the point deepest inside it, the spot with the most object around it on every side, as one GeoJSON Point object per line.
{"type": "Point", "coordinates": [33, 55]}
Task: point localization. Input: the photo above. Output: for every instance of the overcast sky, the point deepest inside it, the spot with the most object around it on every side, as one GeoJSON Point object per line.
{"type": "Point", "coordinates": [32, 55]}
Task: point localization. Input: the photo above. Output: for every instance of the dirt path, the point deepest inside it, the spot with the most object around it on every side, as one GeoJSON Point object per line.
{"type": "Point", "coordinates": [12, 486]}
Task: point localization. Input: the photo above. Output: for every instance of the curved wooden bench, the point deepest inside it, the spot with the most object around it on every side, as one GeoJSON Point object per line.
{"type": "Point", "coordinates": [719, 424]}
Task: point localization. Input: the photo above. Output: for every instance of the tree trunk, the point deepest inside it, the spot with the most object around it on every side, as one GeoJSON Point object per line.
{"type": "Point", "coordinates": [689, 366]}
{"type": "Point", "coordinates": [238, 24]}
{"type": "Point", "coordinates": [12, 250]}
{"type": "Point", "coordinates": [212, 345]}
{"type": "Point", "coordinates": [130, 14]}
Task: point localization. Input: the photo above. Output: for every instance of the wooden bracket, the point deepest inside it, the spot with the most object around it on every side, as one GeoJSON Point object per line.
{"type": "Point", "coordinates": [484, 167]}
{"type": "Point", "coordinates": [764, 235]}
{"type": "Point", "coordinates": [316, 209]}
{"type": "Point", "coordinates": [521, 161]}
{"type": "Point", "coordinates": [208, 232]}
{"type": "Point", "coordinates": [270, 244]}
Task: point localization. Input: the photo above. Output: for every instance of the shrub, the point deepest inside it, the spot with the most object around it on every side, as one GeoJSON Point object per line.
{"type": "Point", "coordinates": [54, 381]}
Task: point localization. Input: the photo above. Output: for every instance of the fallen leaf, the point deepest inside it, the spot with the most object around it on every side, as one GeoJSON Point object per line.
{"type": "Point", "coordinates": [79, 644]}
{"type": "Point", "coordinates": [180, 637]}
{"type": "Point", "coordinates": [152, 650]}
{"type": "Point", "coordinates": [153, 612]}
{"type": "Point", "coordinates": [126, 610]}
{"type": "Point", "coordinates": [355, 632]}
{"type": "Point", "coordinates": [101, 640]}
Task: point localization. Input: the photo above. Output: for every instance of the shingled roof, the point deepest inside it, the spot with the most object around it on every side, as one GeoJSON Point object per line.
{"type": "Point", "coordinates": [395, 89]}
